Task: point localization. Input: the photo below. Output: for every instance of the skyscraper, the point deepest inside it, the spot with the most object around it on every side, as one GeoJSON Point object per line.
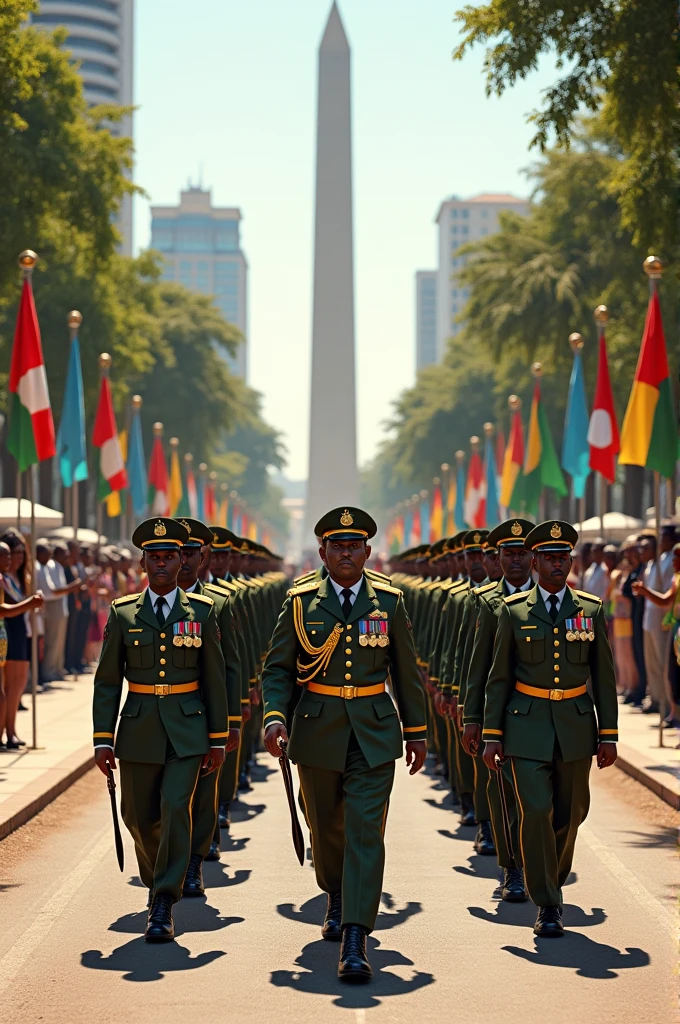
{"type": "Point", "coordinates": [100, 37]}
{"type": "Point", "coordinates": [333, 477]}
{"type": "Point", "coordinates": [426, 318]}
{"type": "Point", "coordinates": [202, 249]}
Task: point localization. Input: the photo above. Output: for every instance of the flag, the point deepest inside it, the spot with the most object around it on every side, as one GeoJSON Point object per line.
{"type": "Point", "coordinates": [252, 530]}
{"type": "Point", "coordinates": [649, 433]}
{"type": "Point", "coordinates": [490, 513]}
{"type": "Point", "coordinates": [112, 474]}
{"type": "Point", "coordinates": [424, 521]}
{"type": "Point", "coordinates": [416, 531]}
{"type": "Point", "coordinates": [188, 506]}
{"type": "Point", "coordinates": [224, 509]}
{"type": "Point", "coordinates": [500, 452]}
{"type": "Point", "coordinates": [437, 516]}
{"type": "Point", "coordinates": [114, 506]}
{"type": "Point", "coordinates": [200, 498]}
{"type": "Point", "coordinates": [474, 492]}
{"type": "Point", "coordinates": [603, 431]}
{"type": "Point", "coordinates": [459, 508]}
{"type": "Point", "coordinates": [541, 465]}
{"type": "Point", "coordinates": [158, 480]}
{"type": "Point", "coordinates": [513, 460]}
{"type": "Point", "coordinates": [31, 428]}
{"type": "Point", "coordinates": [450, 507]}
{"type": "Point", "coordinates": [136, 466]}
{"type": "Point", "coordinates": [210, 503]}
{"type": "Point", "coordinates": [575, 450]}
{"type": "Point", "coordinates": [175, 489]}
{"type": "Point", "coordinates": [408, 528]}
{"type": "Point", "coordinates": [71, 447]}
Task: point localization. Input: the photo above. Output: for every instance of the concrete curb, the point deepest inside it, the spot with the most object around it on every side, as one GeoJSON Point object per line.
{"type": "Point", "coordinates": [664, 785]}
{"type": "Point", "coordinates": [36, 795]}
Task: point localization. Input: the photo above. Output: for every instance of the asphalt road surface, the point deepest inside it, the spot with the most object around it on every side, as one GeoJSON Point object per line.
{"type": "Point", "coordinates": [71, 945]}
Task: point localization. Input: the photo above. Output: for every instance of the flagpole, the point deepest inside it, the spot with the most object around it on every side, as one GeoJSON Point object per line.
{"type": "Point", "coordinates": [104, 366]}
{"type": "Point", "coordinates": [601, 319]}
{"type": "Point", "coordinates": [18, 499]}
{"type": "Point", "coordinates": [74, 320]}
{"type": "Point", "coordinates": [576, 345]}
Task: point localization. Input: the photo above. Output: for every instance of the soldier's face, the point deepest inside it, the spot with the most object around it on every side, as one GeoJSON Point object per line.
{"type": "Point", "coordinates": [219, 563]}
{"type": "Point", "coordinates": [493, 565]}
{"type": "Point", "coordinates": [476, 570]}
{"type": "Point", "coordinates": [345, 559]}
{"type": "Point", "coordinates": [516, 565]}
{"type": "Point", "coordinates": [552, 568]}
{"type": "Point", "coordinates": [190, 562]}
{"type": "Point", "coordinates": [162, 568]}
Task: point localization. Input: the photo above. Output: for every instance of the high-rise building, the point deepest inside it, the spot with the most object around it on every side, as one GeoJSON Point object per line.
{"type": "Point", "coordinates": [461, 221]}
{"type": "Point", "coordinates": [202, 248]}
{"type": "Point", "coordinates": [426, 318]}
{"type": "Point", "coordinates": [100, 38]}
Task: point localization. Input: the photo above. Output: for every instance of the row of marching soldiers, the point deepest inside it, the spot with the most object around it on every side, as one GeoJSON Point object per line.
{"type": "Point", "coordinates": [521, 692]}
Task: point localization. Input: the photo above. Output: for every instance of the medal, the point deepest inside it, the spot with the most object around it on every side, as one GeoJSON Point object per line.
{"type": "Point", "coordinates": [571, 635]}
{"type": "Point", "coordinates": [583, 635]}
{"type": "Point", "coordinates": [383, 640]}
{"type": "Point", "coordinates": [177, 641]}
{"type": "Point", "coordinates": [363, 640]}
{"type": "Point", "coordinates": [591, 635]}
{"type": "Point", "coordinates": [197, 641]}
{"type": "Point", "coordinates": [187, 641]}
{"type": "Point", "coordinates": [373, 639]}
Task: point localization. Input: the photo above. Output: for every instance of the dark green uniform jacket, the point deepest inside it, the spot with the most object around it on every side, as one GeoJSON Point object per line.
{"type": "Point", "coordinates": [322, 725]}
{"type": "Point", "coordinates": [228, 641]}
{"type": "Point", "coordinates": [531, 649]}
{"type": "Point", "coordinates": [138, 649]}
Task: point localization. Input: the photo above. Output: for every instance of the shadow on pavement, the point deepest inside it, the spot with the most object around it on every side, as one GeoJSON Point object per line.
{"type": "Point", "coordinates": [313, 911]}
{"type": "Point", "coordinates": [315, 973]}
{"type": "Point", "coordinates": [464, 832]}
{"type": "Point", "coordinates": [230, 845]}
{"type": "Point", "coordinates": [524, 915]}
{"type": "Point", "coordinates": [190, 916]}
{"type": "Point", "coordinates": [139, 961]}
{"type": "Point", "coordinates": [654, 839]}
{"type": "Point", "coordinates": [242, 812]}
{"type": "Point", "coordinates": [479, 867]}
{"type": "Point", "coordinates": [587, 958]}
{"type": "Point", "coordinates": [216, 876]}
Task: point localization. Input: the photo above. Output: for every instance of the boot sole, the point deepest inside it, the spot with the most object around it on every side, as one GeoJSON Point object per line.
{"type": "Point", "coordinates": [484, 852]}
{"type": "Point", "coordinates": [548, 934]}
{"type": "Point", "coordinates": [355, 977]}
{"type": "Point", "coordinates": [512, 898]}
{"type": "Point", "coordinates": [188, 894]}
{"type": "Point", "coordinates": [331, 936]}
{"type": "Point", "coordinates": [156, 939]}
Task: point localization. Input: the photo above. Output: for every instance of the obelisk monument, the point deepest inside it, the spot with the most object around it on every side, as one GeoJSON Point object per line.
{"type": "Point", "coordinates": [333, 477]}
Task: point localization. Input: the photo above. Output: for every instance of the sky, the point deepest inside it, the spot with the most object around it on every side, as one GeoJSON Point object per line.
{"type": "Point", "coordinates": [227, 95]}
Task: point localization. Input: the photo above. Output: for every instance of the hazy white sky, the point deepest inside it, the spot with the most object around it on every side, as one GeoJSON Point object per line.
{"type": "Point", "coordinates": [229, 87]}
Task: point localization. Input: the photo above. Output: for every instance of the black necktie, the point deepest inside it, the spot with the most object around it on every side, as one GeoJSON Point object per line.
{"type": "Point", "coordinates": [160, 610]}
{"type": "Point", "coordinates": [347, 603]}
{"type": "Point", "coordinates": [552, 601]}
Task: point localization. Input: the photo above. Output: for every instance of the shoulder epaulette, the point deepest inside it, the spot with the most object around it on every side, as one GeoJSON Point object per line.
{"type": "Point", "coordinates": [519, 595]}
{"type": "Point", "coordinates": [304, 588]}
{"type": "Point", "coordinates": [221, 585]}
{"type": "Point", "coordinates": [591, 597]}
{"type": "Point", "coordinates": [304, 578]}
{"type": "Point", "coordinates": [125, 600]}
{"type": "Point", "coordinates": [375, 575]}
{"type": "Point", "coordinates": [386, 586]}
{"type": "Point", "coordinates": [485, 587]}
{"type": "Point", "coordinates": [200, 597]}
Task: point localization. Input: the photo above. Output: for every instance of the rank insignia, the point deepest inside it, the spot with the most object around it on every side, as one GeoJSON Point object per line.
{"type": "Point", "coordinates": [160, 529]}
{"type": "Point", "coordinates": [346, 518]}
{"type": "Point", "coordinates": [580, 628]}
{"type": "Point", "coordinates": [555, 531]}
{"type": "Point", "coordinates": [373, 632]}
{"type": "Point", "coordinates": [516, 529]}
{"type": "Point", "coordinates": [186, 634]}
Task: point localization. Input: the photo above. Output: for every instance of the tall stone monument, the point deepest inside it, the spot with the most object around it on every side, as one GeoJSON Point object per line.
{"type": "Point", "coordinates": [333, 477]}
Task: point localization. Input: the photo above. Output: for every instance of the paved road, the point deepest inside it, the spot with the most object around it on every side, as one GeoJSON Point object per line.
{"type": "Point", "coordinates": [444, 950]}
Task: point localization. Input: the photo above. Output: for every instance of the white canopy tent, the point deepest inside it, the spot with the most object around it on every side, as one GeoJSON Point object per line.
{"type": "Point", "coordinates": [45, 518]}
{"type": "Point", "coordinates": [615, 526]}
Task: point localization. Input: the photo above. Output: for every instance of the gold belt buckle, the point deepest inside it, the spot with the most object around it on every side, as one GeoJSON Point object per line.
{"type": "Point", "coordinates": [161, 689]}
{"type": "Point", "coordinates": [556, 694]}
{"type": "Point", "coordinates": [349, 692]}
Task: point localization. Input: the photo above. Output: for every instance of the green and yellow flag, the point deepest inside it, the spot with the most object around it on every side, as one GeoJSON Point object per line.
{"type": "Point", "coordinates": [541, 465]}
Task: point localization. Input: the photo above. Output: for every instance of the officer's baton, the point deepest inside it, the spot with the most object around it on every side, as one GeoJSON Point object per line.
{"type": "Point", "coordinates": [507, 832]}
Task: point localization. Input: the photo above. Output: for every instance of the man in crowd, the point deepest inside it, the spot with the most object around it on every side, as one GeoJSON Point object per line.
{"type": "Point", "coordinates": [51, 580]}
{"type": "Point", "coordinates": [657, 575]}
{"type": "Point", "coordinates": [596, 576]}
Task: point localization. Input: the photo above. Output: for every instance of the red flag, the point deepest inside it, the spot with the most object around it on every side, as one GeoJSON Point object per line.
{"type": "Point", "coordinates": [159, 482]}
{"type": "Point", "coordinates": [31, 427]}
{"type": "Point", "coordinates": [475, 492]}
{"type": "Point", "coordinates": [113, 476]}
{"type": "Point", "coordinates": [210, 503]}
{"type": "Point", "coordinates": [603, 431]}
{"type": "Point", "coordinates": [436, 516]}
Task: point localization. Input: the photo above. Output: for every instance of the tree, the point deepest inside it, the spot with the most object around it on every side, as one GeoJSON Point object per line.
{"type": "Point", "coordinates": [617, 56]}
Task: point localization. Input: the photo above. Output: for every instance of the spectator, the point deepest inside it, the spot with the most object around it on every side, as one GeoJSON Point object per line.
{"type": "Point", "coordinates": [596, 576]}
{"type": "Point", "coordinates": [631, 551]}
{"type": "Point", "coordinates": [16, 582]}
{"type": "Point", "coordinates": [666, 569]}
{"type": "Point", "coordinates": [52, 582]}
{"type": "Point", "coordinates": [585, 559]}
{"type": "Point", "coordinates": [657, 576]}
{"type": "Point", "coordinates": [621, 606]}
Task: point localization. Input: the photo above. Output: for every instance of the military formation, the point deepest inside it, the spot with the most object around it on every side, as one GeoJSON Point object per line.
{"type": "Point", "coordinates": [475, 651]}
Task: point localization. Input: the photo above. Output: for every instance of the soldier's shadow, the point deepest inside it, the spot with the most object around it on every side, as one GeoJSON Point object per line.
{"type": "Point", "coordinates": [466, 833]}
{"type": "Point", "coordinates": [242, 812]}
{"type": "Point", "coordinates": [479, 867]}
{"type": "Point", "coordinates": [138, 961]}
{"type": "Point", "coordinates": [313, 911]}
{"type": "Point", "coordinates": [589, 959]}
{"type": "Point", "coordinates": [315, 974]}
{"type": "Point", "coordinates": [216, 876]}
{"type": "Point", "coordinates": [190, 916]}
{"type": "Point", "coordinates": [523, 915]}
{"type": "Point", "coordinates": [230, 845]}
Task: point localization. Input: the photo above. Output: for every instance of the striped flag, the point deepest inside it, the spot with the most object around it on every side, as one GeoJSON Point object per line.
{"type": "Point", "coordinates": [31, 428]}
{"type": "Point", "coordinates": [474, 492]}
{"type": "Point", "coordinates": [437, 515]}
{"type": "Point", "coordinates": [450, 507]}
{"type": "Point", "coordinates": [541, 466]}
{"type": "Point", "coordinates": [114, 505]}
{"type": "Point", "coordinates": [490, 513]}
{"type": "Point", "coordinates": [459, 508]}
{"type": "Point", "coordinates": [513, 459]}
{"type": "Point", "coordinates": [71, 435]}
{"type": "Point", "coordinates": [223, 513]}
{"type": "Point", "coordinates": [175, 489]}
{"type": "Point", "coordinates": [603, 431]}
{"type": "Point", "coordinates": [210, 503]}
{"type": "Point", "coordinates": [112, 472]}
{"type": "Point", "coordinates": [158, 480]}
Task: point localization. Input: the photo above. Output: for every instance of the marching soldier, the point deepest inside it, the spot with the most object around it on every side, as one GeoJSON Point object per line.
{"type": "Point", "coordinates": [340, 638]}
{"type": "Point", "coordinates": [538, 712]}
{"type": "Point", "coordinates": [173, 724]}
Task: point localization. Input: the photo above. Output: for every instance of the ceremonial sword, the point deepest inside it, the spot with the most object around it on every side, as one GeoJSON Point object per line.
{"type": "Point", "coordinates": [298, 841]}
{"type": "Point", "coordinates": [111, 784]}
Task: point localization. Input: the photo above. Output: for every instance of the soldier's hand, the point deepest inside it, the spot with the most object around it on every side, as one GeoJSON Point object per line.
{"type": "Point", "coordinates": [439, 703]}
{"type": "Point", "coordinates": [232, 740]}
{"type": "Point", "coordinates": [459, 716]}
{"type": "Point", "coordinates": [471, 738]}
{"type": "Point", "coordinates": [416, 752]}
{"type": "Point", "coordinates": [254, 696]}
{"type": "Point", "coordinates": [104, 759]}
{"type": "Point", "coordinates": [452, 707]}
{"type": "Point", "coordinates": [273, 733]}
{"type": "Point", "coordinates": [212, 760]}
{"type": "Point", "coordinates": [606, 755]}
{"type": "Point", "coordinates": [491, 752]}
{"type": "Point", "coordinates": [246, 712]}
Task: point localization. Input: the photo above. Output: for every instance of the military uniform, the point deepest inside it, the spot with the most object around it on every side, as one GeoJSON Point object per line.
{"type": "Point", "coordinates": [539, 706]}
{"type": "Point", "coordinates": [175, 710]}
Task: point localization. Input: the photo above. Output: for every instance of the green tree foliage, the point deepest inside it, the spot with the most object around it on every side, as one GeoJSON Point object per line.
{"type": "Point", "coordinates": [615, 56]}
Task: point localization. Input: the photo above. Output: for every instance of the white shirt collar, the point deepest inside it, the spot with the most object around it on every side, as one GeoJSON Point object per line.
{"type": "Point", "coordinates": [545, 594]}
{"type": "Point", "coordinates": [191, 589]}
{"type": "Point", "coordinates": [514, 590]}
{"type": "Point", "coordinates": [169, 598]}
{"type": "Point", "coordinates": [338, 588]}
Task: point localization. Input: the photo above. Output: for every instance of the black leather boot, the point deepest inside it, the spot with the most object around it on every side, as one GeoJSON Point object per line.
{"type": "Point", "coordinates": [354, 965]}
{"type": "Point", "coordinates": [160, 926]}
{"type": "Point", "coordinates": [513, 889]}
{"type": "Point", "coordinates": [484, 842]}
{"type": "Point", "coordinates": [193, 880]}
{"type": "Point", "coordinates": [549, 923]}
{"type": "Point", "coordinates": [214, 851]}
{"type": "Point", "coordinates": [467, 809]}
{"type": "Point", "coordinates": [332, 930]}
{"type": "Point", "coordinates": [223, 815]}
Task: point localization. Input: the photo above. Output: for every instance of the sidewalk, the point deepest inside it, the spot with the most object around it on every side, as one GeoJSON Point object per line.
{"type": "Point", "coordinates": [31, 779]}
{"type": "Point", "coordinates": [657, 768]}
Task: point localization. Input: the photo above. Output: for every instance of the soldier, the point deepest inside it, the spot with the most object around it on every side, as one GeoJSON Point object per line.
{"type": "Point", "coordinates": [515, 564]}
{"type": "Point", "coordinates": [173, 724]}
{"type": "Point", "coordinates": [538, 712]}
{"type": "Point", "coordinates": [204, 846]}
{"type": "Point", "coordinates": [339, 638]}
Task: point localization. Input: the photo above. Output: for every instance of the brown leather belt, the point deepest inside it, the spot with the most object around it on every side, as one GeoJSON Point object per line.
{"type": "Point", "coordinates": [162, 689]}
{"type": "Point", "coordinates": [347, 692]}
{"type": "Point", "coordinates": [537, 691]}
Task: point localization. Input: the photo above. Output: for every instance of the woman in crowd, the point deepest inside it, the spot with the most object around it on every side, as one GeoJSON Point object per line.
{"type": "Point", "coordinates": [15, 582]}
{"type": "Point", "coordinates": [671, 601]}
{"type": "Point", "coordinates": [620, 610]}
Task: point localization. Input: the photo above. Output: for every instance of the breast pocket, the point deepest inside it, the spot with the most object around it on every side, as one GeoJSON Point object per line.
{"type": "Point", "coordinates": [578, 651]}
{"type": "Point", "coordinates": [530, 646]}
{"type": "Point", "coordinates": [185, 657]}
{"type": "Point", "coordinates": [139, 649]}
{"type": "Point", "coordinates": [316, 632]}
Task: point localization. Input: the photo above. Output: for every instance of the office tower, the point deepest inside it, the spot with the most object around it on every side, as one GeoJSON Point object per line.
{"type": "Point", "coordinates": [202, 249]}
{"type": "Point", "coordinates": [426, 318]}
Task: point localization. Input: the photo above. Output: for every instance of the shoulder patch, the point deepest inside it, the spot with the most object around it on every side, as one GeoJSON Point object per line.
{"type": "Point", "coordinates": [519, 595]}
{"type": "Point", "coordinates": [377, 585]}
{"type": "Point", "coordinates": [591, 597]}
{"type": "Point", "coordinates": [373, 574]}
{"type": "Point", "coordinates": [304, 578]}
{"type": "Point", "coordinates": [125, 600]}
{"type": "Point", "coordinates": [485, 587]}
{"type": "Point", "coordinates": [201, 597]}
{"type": "Point", "coordinates": [304, 588]}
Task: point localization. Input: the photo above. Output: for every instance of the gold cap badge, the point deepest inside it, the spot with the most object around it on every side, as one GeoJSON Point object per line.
{"type": "Point", "coordinates": [216, 538]}
{"type": "Point", "coordinates": [516, 530]}
{"type": "Point", "coordinates": [185, 524]}
{"type": "Point", "coordinates": [159, 529]}
{"type": "Point", "coordinates": [346, 518]}
{"type": "Point", "coordinates": [556, 531]}
{"type": "Point", "coordinates": [477, 538]}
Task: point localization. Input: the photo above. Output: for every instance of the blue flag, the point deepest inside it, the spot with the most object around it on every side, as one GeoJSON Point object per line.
{"type": "Point", "coordinates": [71, 437]}
{"type": "Point", "coordinates": [136, 467]}
{"type": "Point", "coordinates": [492, 512]}
{"type": "Point", "coordinates": [575, 448]}
{"type": "Point", "coordinates": [459, 509]}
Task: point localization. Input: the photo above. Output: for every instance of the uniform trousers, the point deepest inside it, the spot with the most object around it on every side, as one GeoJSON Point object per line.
{"type": "Point", "coordinates": [480, 775]}
{"type": "Point", "coordinates": [656, 643]}
{"type": "Point", "coordinates": [156, 808]}
{"type": "Point", "coordinates": [553, 798]}
{"type": "Point", "coordinates": [204, 822]}
{"type": "Point", "coordinates": [346, 812]}
{"type": "Point", "coordinates": [503, 852]}
{"type": "Point", "coordinates": [465, 771]}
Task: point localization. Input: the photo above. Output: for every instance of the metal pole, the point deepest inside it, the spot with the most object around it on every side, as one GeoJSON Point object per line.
{"type": "Point", "coordinates": [602, 501]}
{"type": "Point", "coordinates": [18, 499]}
{"type": "Point", "coordinates": [74, 509]}
{"type": "Point", "coordinates": [34, 624]}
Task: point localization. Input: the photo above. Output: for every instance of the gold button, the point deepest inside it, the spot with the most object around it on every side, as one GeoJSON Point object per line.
{"type": "Point", "coordinates": [348, 664]}
{"type": "Point", "coordinates": [348, 676]}
{"type": "Point", "coordinates": [556, 679]}
{"type": "Point", "coordinates": [556, 643]}
{"type": "Point", "coordinates": [555, 630]}
{"type": "Point", "coordinates": [528, 639]}
{"type": "Point", "coordinates": [162, 647]}
{"type": "Point", "coordinates": [556, 668]}
{"type": "Point", "coordinates": [162, 675]}
{"type": "Point", "coordinates": [348, 639]}
{"type": "Point", "coordinates": [348, 626]}
{"type": "Point", "coordinates": [313, 634]}
{"type": "Point", "coordinates": [162, 661]}
{"type": "Point", "coordinates": [348, 650]}
{"type": "Point", "coordinates": [162, 636]}
{"type": "Point", "coordinates": [556, 654]}
{"type": "Point", "coordinates": [136, 643]}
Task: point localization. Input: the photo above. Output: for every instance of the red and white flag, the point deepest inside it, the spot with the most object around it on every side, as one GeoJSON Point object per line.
{"type": "Point", "coordinates": [112, 472]}
{"type": "Point", "coordinates": [159, 483]}
{"type": "Point", "coordinates": [603, 430]}
{"type": "Point", "coordinates": [475, 492]}
{"type": "Point", "coordinates": [31, 436]}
